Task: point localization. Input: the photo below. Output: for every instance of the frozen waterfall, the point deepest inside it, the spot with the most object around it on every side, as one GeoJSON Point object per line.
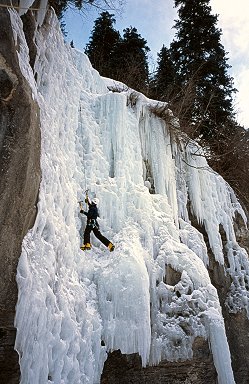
{"type": "Point", "coordinates": [74, 307]}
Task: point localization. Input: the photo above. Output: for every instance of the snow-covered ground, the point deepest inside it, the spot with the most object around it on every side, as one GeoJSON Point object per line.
{"type": "Point", "coordinates": [74, 307]}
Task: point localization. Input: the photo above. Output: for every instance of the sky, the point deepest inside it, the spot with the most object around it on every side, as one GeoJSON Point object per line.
{"type": "Point", "coordinates": [154, 20]}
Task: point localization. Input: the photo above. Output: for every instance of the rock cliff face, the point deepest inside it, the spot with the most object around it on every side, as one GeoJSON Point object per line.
{"type": "Point", "coordinates": [19, 184]}
{"type": "Point", "coordinates": [237, 324]}
{"type": "Point", "coordinates": [127, 369]}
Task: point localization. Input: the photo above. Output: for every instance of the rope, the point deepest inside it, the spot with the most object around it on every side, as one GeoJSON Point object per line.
{"type": "Point", "coordinates": [86, 191]}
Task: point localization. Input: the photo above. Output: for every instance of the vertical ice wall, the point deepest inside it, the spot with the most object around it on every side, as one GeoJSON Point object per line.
{"type": "Point", "coordinates": [73, 307]}
{"type": "Point", "coordinates": [214, 204]}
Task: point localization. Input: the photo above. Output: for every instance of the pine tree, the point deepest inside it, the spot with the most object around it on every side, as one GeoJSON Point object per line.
{"type": "Point", "coordinates": [201, 65]}
{"type": "Point", "coordinates": [164, 83]}
{"type": "Point", "coordinates": [130, 61]}
{"type": "Point", "coordinates": [102, 43]}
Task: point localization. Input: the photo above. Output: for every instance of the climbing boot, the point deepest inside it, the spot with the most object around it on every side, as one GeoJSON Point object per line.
{"type": "Point", "coordinates": [111, 247]}
{"type": "Point", "coordinates": [86, 247]}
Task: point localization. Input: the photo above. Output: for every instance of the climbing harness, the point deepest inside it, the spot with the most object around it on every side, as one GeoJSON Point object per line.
{"type": "Point", "coordinates": [93, 223]}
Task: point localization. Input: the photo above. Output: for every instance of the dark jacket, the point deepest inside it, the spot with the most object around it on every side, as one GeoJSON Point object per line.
{"type": "Point", "coordinates": [92, 215]}
{"type": "Point", "coordinates": [92, 212]}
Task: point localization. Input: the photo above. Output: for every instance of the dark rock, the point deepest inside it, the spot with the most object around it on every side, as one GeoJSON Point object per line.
{"type": "Point", "coordinates": [19, 184]}
{"type": "Point", "coordinates": [7, 85]}
{"type": "Point", "coordinates": [127, 369]}
{"type": "Point", "coordinates": [29, 28]}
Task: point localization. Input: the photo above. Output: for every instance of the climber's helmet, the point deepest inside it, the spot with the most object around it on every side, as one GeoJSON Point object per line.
{"type": "Point", "coordinates": [95, 201]}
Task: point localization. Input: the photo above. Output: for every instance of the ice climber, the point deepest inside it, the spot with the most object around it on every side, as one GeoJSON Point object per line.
{"type": "Point", "coordinates": [92, 225]}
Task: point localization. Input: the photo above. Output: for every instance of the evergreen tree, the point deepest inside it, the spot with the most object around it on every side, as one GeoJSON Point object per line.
{"type": "Point", "coordinates": [201, 65]}
{"type": "Point", "coordinates": [102, 43]}
{"type": "Point", "coordinates": [164, 84]}
{"type": "Point", "coordinates": [130, 61]}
